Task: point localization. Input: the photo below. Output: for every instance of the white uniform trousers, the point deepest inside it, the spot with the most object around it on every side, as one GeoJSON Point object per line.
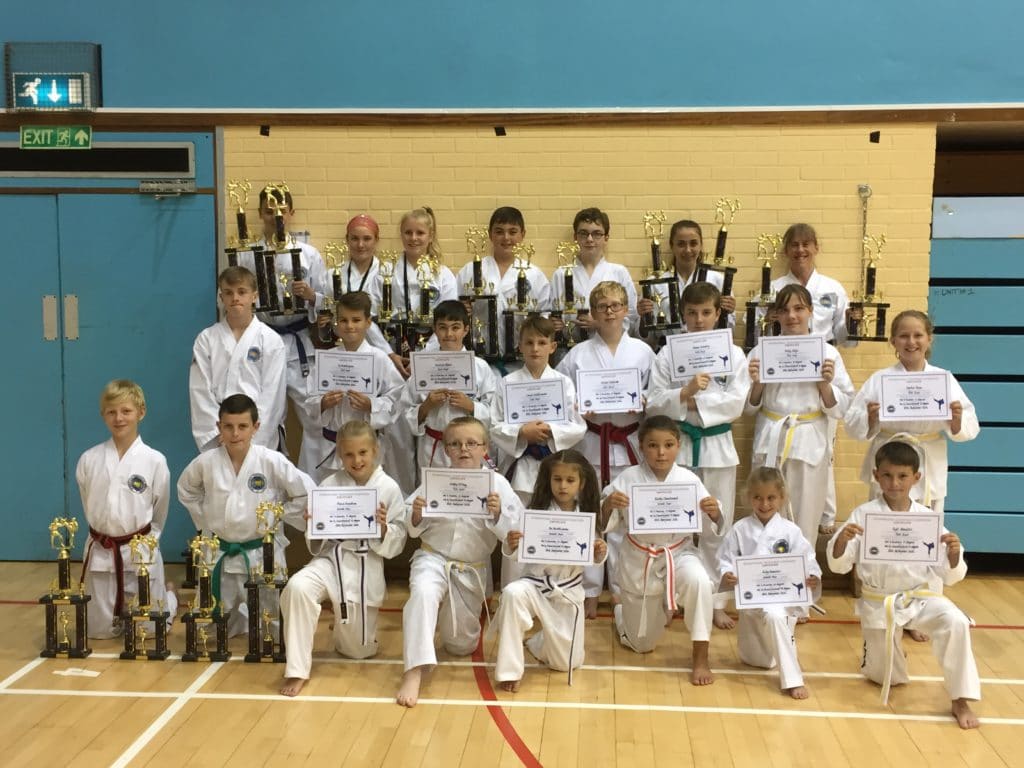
{"type": "Point", "coordinates": [950, 633]}
{"type": "Point", "coordinates": [102, 586]}
{"type": "Point", "coordinates": [300, 606]}
{"type": "Point", "coordinates": [721, 484]}
{"type": "Point", "coordinates": [828, 516]}
{"type": "Point", "coordinates": [765, 637]}
{"type": "Point", "coordinates": [807, 486]}
{"type": "Point", "coordinates": [432, 605]}
{"type": "Point", "coordinates": [593, 575]}
{"type": "Point", "coordinates": [558, 644]}
{"type": "Point", "coordinates": [398, 455]}
{"type": "Point", "coordinates": [640, 620]}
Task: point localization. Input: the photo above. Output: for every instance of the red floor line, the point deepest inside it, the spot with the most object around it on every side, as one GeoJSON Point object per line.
{"type": "Point", "coordinates": [483, 683]}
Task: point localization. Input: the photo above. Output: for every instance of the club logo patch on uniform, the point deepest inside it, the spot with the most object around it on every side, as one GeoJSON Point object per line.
{"type": "Point", "coordinates": [257, 483]}
{"type": "Point", "coordinates": [780, 547]}
{"type": "Point", "coordinates": [137, 484]}
{"type": "Point", "coordinates": [828, 300]}
{"type": "Point", "coordinates": [721, 380]}
{"type": "Point", "coordinates": [253, 355]}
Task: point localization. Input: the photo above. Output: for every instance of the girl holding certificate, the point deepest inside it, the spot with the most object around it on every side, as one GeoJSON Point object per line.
{"type": "Point", "coordinates": [349, 572]}
{"type": "Point", "coordinates": [552, 593]}
{"type": "Point", "coordinates": [911, 335]}
{"type": "Point", "coordinates": [791, 430]}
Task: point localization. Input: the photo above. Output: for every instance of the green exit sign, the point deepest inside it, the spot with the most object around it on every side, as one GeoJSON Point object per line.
{"type": "Point", "coordinates": [56, 136]}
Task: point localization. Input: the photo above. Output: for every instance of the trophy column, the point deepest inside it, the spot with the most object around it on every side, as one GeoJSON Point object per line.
{"type": "Point", "coordinates": [758, 322]}
{"type": "Point", "coordinates": [725, 213]}
{"type": "Point", "coordinates": [657, 321]}
{"type": "Point", "coordinates": [140, 614]}
{"type": "Point", "coordinates": [481, 301]}
{"type": "Point", "coordinates": [513, 317]}
{"type": "Point", "coordinates": [203, 614]}
{"type": "Point", "coordinates": [263, 592]}
{"type": "Point", "coordinates": [238, 191]}
{"type": "Point", "coordinates": [60, 601]}
{"type": "Point", "coordinates": [868, 312]}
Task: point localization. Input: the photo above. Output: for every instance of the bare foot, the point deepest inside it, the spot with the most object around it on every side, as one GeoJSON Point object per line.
{"type": "Point", "coordinates": [723, 620]}
{"type": "Point", "coordinates": [916, 635]}
{"type": "Point", "coordinates": [701, 673]}
{"type": "Point", "coordinates": [409, 690]}
{"type": "Point", "coordinates": [292, 686]}
{"type": "Point", "coordinates": [589, 608]}
{"type": "Point", "coordinates": [512, 686]}
{"type": "Point", "coordinates": [964, 715]}
{"type": "Point", "coordinates": [827, 528]}
{"type": "Point", "coordinates": [798, 692]}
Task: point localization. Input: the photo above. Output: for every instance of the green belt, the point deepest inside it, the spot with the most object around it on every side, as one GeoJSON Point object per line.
{"type": "Point", "coordinates": [231, 549]}
{"type": "Point", "coordinates": [696, 434]}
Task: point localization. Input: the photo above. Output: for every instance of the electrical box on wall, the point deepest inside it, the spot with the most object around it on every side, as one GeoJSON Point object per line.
{"type": "Point", "coordinates": [53, 77]}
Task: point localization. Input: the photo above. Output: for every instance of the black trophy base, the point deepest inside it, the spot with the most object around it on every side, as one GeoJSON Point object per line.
{"type": "Point", "coordinates": [264, 648]}
{"type": "Point", "coordinates": [54, 648]}
{"type": "Point", "coordinates": [131, 651]}
{"type": "Point", "coordinates": [757, 324]}
{"type": "Point", "coordinates": [858, 330]}
{"type": "Point", "coordinates": [197, 624]}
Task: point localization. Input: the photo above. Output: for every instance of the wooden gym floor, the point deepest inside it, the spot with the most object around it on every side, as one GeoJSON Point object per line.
{"type": "Point", "coordinates": [623, 709]}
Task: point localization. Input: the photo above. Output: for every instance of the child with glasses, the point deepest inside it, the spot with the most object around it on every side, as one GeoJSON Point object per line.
{"type": "Point", "coordinates": [448, 575]}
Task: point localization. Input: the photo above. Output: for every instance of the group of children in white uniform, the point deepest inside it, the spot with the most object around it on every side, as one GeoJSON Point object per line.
{"type": "Point", "coordinates": [685, 437]}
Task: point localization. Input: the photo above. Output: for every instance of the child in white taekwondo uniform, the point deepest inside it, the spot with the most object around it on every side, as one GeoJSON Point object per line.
{"type": "Point", "coordinates": [428, 413]}
{"type": "Point", "coordinates": [277, 205]}
{"type": "Point", "coordinates": [766, 636]}
{"type": "Point", "coordinates": [448, 574]}
{"type": "Point", "coordinates": [899, 596]}
{"type": "Point", "coordinates": [705, 407]}
{"type": "Point", "coordinates": [610, 441]}
{"type": "Point", "coordinates": [655, 571]}
{"type": "Point", "coordinates": [221, 490]}
{"type": "Point", "coordinates": [238, 355]}
{"type": "Point", "coordinates": [590, 229]}
{"type": "Point", "coordinates": [791, 430]}
{"type": "Point", "coordinates": [349, 572]}
{"type": "Point", "coordinates": [911, 335]}
{"type": "Point", "coordinates": [499, 272]}
{"type": "Point", "coordinates": [551, 593]}
{"type": "Point", "coordinates": [124, 486]}
{"type": "Point", "coordinates": [337, 406]}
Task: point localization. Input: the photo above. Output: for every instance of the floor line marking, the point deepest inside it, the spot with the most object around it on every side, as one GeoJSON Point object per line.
{"type": "Point", "coordinates": [13, 678]}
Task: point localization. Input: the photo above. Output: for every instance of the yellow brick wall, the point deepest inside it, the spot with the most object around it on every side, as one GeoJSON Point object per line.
{"type": "Point", "coordinates": [780, 174]}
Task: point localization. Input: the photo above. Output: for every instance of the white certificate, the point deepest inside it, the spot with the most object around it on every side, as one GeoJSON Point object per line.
{"type": "Point", "coordinates": [914, 397]}
{"type": "Point", "coordinates": [609, 390]}
{"type": "Point", "coordinates": [343, 513]}
{"type": "Point", "coordinates": [456, 492]}
{"type": "Point", "coordinates": [791, 358]}
{"type": "Point", "coordinates": [337, 369]}
{"type": "Point", "coordinates": [701, 352]}
{"type": "Point", "coordinates": [443, 370]}
{"type": "Point", "coordinates": [537, 400]}
{"type": "Point", "coordinates": [557, 538]}
{"type": "Point", "coordinates": [901, 537]}
{"type": "Point", "coordinates": [771, 580]}
{"type": "Point", "coordinates": [664, 508]}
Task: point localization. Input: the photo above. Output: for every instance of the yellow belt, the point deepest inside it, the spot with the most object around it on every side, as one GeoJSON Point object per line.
{"type": "Point", "coordinates": [788, 422]}
{"type": "Point", "coordinates": [890, 602]}
{"type": "Point", "coordinates": [461, 566]}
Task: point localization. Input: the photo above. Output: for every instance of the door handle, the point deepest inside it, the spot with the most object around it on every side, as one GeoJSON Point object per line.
{"type": "Point", "coordinates": [49, 317]}
{"type": "Point", "coordinates": [71, 317]}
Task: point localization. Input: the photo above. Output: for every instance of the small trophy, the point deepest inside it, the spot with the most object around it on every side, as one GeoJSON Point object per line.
{"type": "Point", "coordinates": [513, 316]}
{"type": "Point", "coordinates": [204, 613]}
{"type": "Point", "coordinates": [476, 244]}
{"type": "Point", "coordinates": [481, 299]}
{"type": "Point", "coordinates": [868, 300]}
{"type": "Point", "coordinates": [725, 212]}
{"type": "Point", "coordinates": [335, 257]}
{"type": "Point", "coordinates": [427, 271]}
{"type": "Point", "coordinates": [758, 322]}
{"type": "Point", "coordinates": [140, 613]}
{"type": "Point", "coordinates": [410, 330]}
{"type": "Point", "coordinates": [263, 589]}
{"type": "Point", "coordinates": [238, 191]}
{"type": "Point", "coordinates": [277, 199]}
{"type": "Point", "coordinates": [60, 598]}
{"type": "Point", "coordinates": [654, 225]}
{"type": "Point", "coordinates": [388, 259]}
{"type": "Point", "coordinates": [566, 252]}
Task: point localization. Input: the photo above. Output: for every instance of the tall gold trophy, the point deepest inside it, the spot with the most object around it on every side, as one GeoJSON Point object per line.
{"type": "Point", "coordinates": [513, 317]}
{"type": "Point", "coordinates": [335, 257]}
{"type": "Point", "coordinates": [203, 614]}
{"type": "Point", "coordinates": [238, 192]}
{"type": "Point", "coordinates": [481, 300]}
{"type": "Point", "coordinates": [725, 213]}
{"type": "Point", "coordinates": [657, 275]}
{"type": "Point", "coordinates": [869, 302]}
{"type": "Point", "coordinates": [572, 306]}
{"type": "Point", "coordinates": [60, 599]}
{"type": "Point", "coordinates": [263, 590]}
{"type": "Point", "coordinates": [140, 613]}
{"type": "Point", "coordinates": [277, 200]}
{"type": "Point", "coordinates": [759, 323]}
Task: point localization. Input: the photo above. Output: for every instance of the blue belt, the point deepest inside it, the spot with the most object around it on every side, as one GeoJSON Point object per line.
{"type": "Point", "coordinates": [293, 329]}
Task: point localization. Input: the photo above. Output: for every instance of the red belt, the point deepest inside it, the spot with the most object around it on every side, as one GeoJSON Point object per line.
{"type": "Point", "coordinates": [609, 434]}
{"type": "Point", "coordinates": [115, 543]}
{"type": "Point", "coordinates": [438, 436]}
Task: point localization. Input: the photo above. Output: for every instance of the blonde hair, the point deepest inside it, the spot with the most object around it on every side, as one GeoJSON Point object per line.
{"type": "Point", "coordinates": [352, 430]}
{"type": "Point", "coordinates": [122, 389]}
{"type": "Point", "coordinates": [767, 476]}
{"type": "Point", "coordinates": [425, 213]}
{"type": "Point", "coordinates": [607, 289]}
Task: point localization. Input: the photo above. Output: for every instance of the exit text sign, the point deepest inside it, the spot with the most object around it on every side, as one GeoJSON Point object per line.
{"type": "Point", "coordinates": [56, 137]}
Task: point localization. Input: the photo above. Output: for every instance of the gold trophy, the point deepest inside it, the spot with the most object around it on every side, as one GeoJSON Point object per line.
{"type": "Point", "coordinates": [654, 225]}
{"type": "Point", "coordinates": [725, 213]}
{"type": "Point", "coordinates": [476, 244]}
{"type": "Point", "coordinates": [204, 612]}
{"type": "Point", "coordinates": [758, 321]}
{"type": "Point", "coordinates": [277, 199]}
{"type": "Point", "coordinates": [144, 551]}
{"type": "Point", "coordinates": [62, 539]}
{"type": "Point", "coordinates": [266, 579]}
{"type": "Point", "coordinates": [481, 300]}
{"type": "Point", "coordinates": [238, 191]}
{"type": "Point", "coordinates": [335, 257]}
{"type": "Point", "coordinates": [566, 253]}
{"type": "Point", "coordinates": [388, 258]}
{"type": "Point", "coordinates": [868, 301]}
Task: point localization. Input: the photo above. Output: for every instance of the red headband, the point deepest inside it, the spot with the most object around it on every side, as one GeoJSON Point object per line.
{"type": "Point", "coordinates": [362, 220]}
